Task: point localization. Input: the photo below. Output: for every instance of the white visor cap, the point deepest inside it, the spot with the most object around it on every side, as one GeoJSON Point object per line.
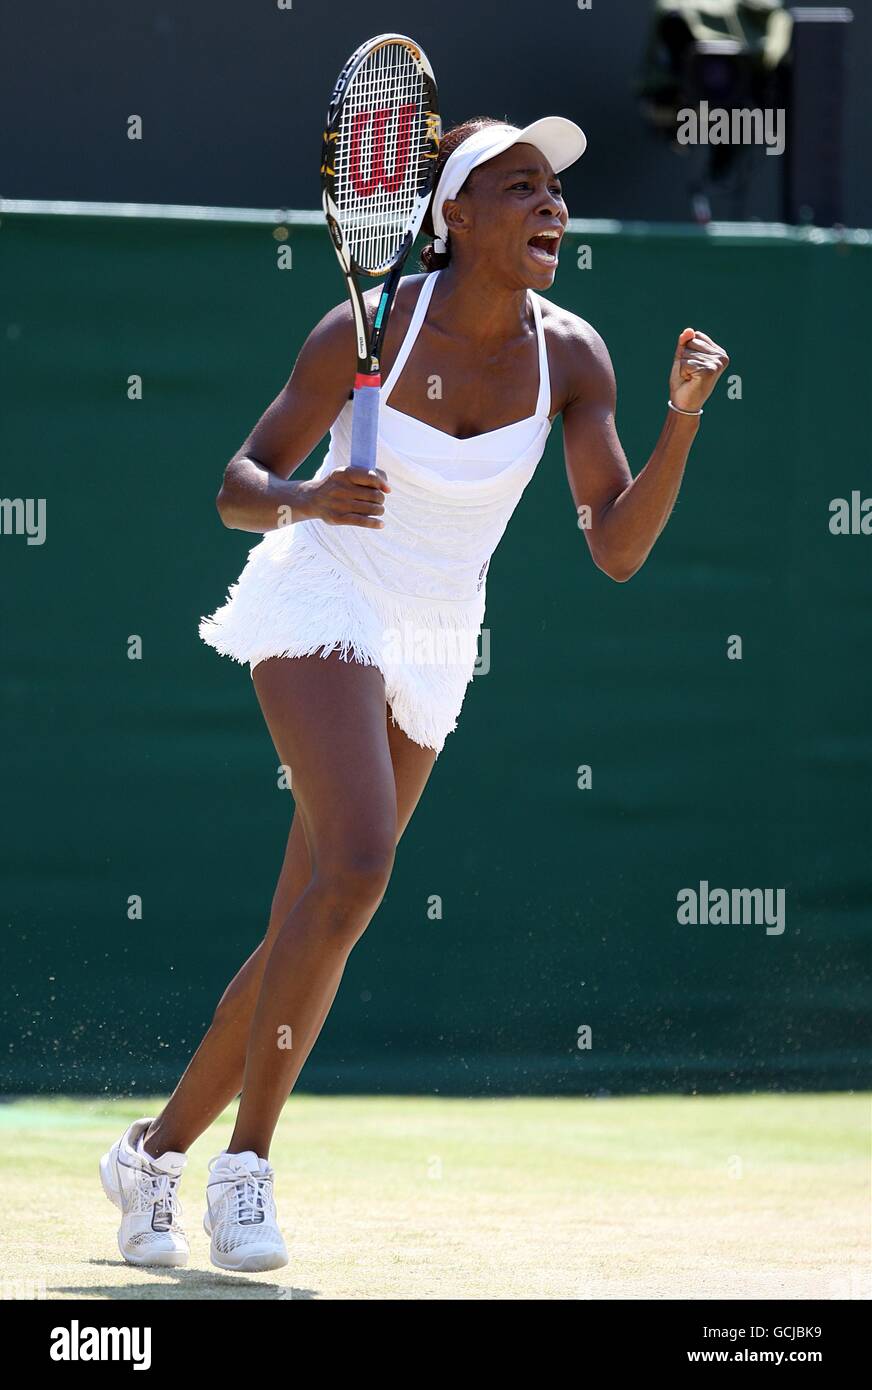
{"type": "Point", "coordinates": [561, 141]}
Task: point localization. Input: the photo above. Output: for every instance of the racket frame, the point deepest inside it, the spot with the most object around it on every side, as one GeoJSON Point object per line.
{"type": "Point", "coordinates": [367, 381]}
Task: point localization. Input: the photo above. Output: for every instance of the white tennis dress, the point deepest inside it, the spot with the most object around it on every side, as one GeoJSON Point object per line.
{"type": "Point", "coordinates": [408, 598]}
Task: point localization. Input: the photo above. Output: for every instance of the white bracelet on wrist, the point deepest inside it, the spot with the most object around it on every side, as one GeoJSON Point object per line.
{"type": "Point", "coordinates": [679, 411]}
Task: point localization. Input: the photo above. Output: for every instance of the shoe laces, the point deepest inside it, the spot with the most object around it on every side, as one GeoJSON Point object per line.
{"type": "Point", "coordinates": [162, 1197]}
{"type": "Point", "coordinates": [252, 1198]}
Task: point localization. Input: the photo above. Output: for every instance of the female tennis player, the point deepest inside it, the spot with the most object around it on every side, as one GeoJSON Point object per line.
{"type": "Point", "coordinates": [359, 612]}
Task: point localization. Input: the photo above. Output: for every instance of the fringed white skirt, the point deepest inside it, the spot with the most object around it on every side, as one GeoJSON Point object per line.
{"type": "Point", "coordinates": [294, 598]}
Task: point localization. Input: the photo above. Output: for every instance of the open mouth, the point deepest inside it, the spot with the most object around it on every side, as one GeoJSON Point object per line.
{"type": "Point", "coordinates": [544, 247]}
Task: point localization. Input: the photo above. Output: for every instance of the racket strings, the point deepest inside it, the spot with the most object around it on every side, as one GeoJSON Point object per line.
{"type": "Point", "coordinates": [382, 135]}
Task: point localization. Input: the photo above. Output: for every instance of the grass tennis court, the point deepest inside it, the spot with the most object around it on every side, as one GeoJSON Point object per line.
{"type": "Point", "coordinates": [762, 1196]}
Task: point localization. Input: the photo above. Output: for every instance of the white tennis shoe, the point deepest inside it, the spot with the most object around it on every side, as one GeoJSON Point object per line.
{"type": "Point", "coordinates": [146, 1190]}
{"type": "Point", "coordinates": [241, 1214]}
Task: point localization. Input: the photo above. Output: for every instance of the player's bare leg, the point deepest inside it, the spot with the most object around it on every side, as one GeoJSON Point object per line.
{"type": "Point", "coordinates": [214, 1075]}
{"type": "Point", "coordinates": [327, 721]}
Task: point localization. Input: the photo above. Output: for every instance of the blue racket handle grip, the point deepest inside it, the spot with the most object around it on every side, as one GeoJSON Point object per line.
{"type": "Point", "coordinates": [364, 426]}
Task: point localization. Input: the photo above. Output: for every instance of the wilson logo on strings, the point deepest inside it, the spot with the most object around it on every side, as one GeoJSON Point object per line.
{"type": "Point", "coordinates": [366, 186]}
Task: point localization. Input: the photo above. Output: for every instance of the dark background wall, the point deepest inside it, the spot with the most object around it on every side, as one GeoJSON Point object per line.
{"type": "Point", "coordinates": [157, 777]}
{"type": "Point", "coordinates": [232, 96]}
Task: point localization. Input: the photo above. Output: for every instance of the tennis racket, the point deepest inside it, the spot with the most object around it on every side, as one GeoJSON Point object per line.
{"type": "Point", "coordinates": [381, 140]}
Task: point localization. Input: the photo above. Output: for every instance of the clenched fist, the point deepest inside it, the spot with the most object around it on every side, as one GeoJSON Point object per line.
{"type": "Point", "coordinates": [698, 364]}
{"type": "Point", "coordinates": [347, 497]}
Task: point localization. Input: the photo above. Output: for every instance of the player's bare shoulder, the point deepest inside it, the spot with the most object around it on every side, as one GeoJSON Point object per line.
{"type": "Point", "coordinates": [330, 350]}
{"type": "Point", "coordinates": [404, 301]}
{"type": "Point", "coordinates": [578, 357]}
{"type": "Point", "coordinates": [335, 331]}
